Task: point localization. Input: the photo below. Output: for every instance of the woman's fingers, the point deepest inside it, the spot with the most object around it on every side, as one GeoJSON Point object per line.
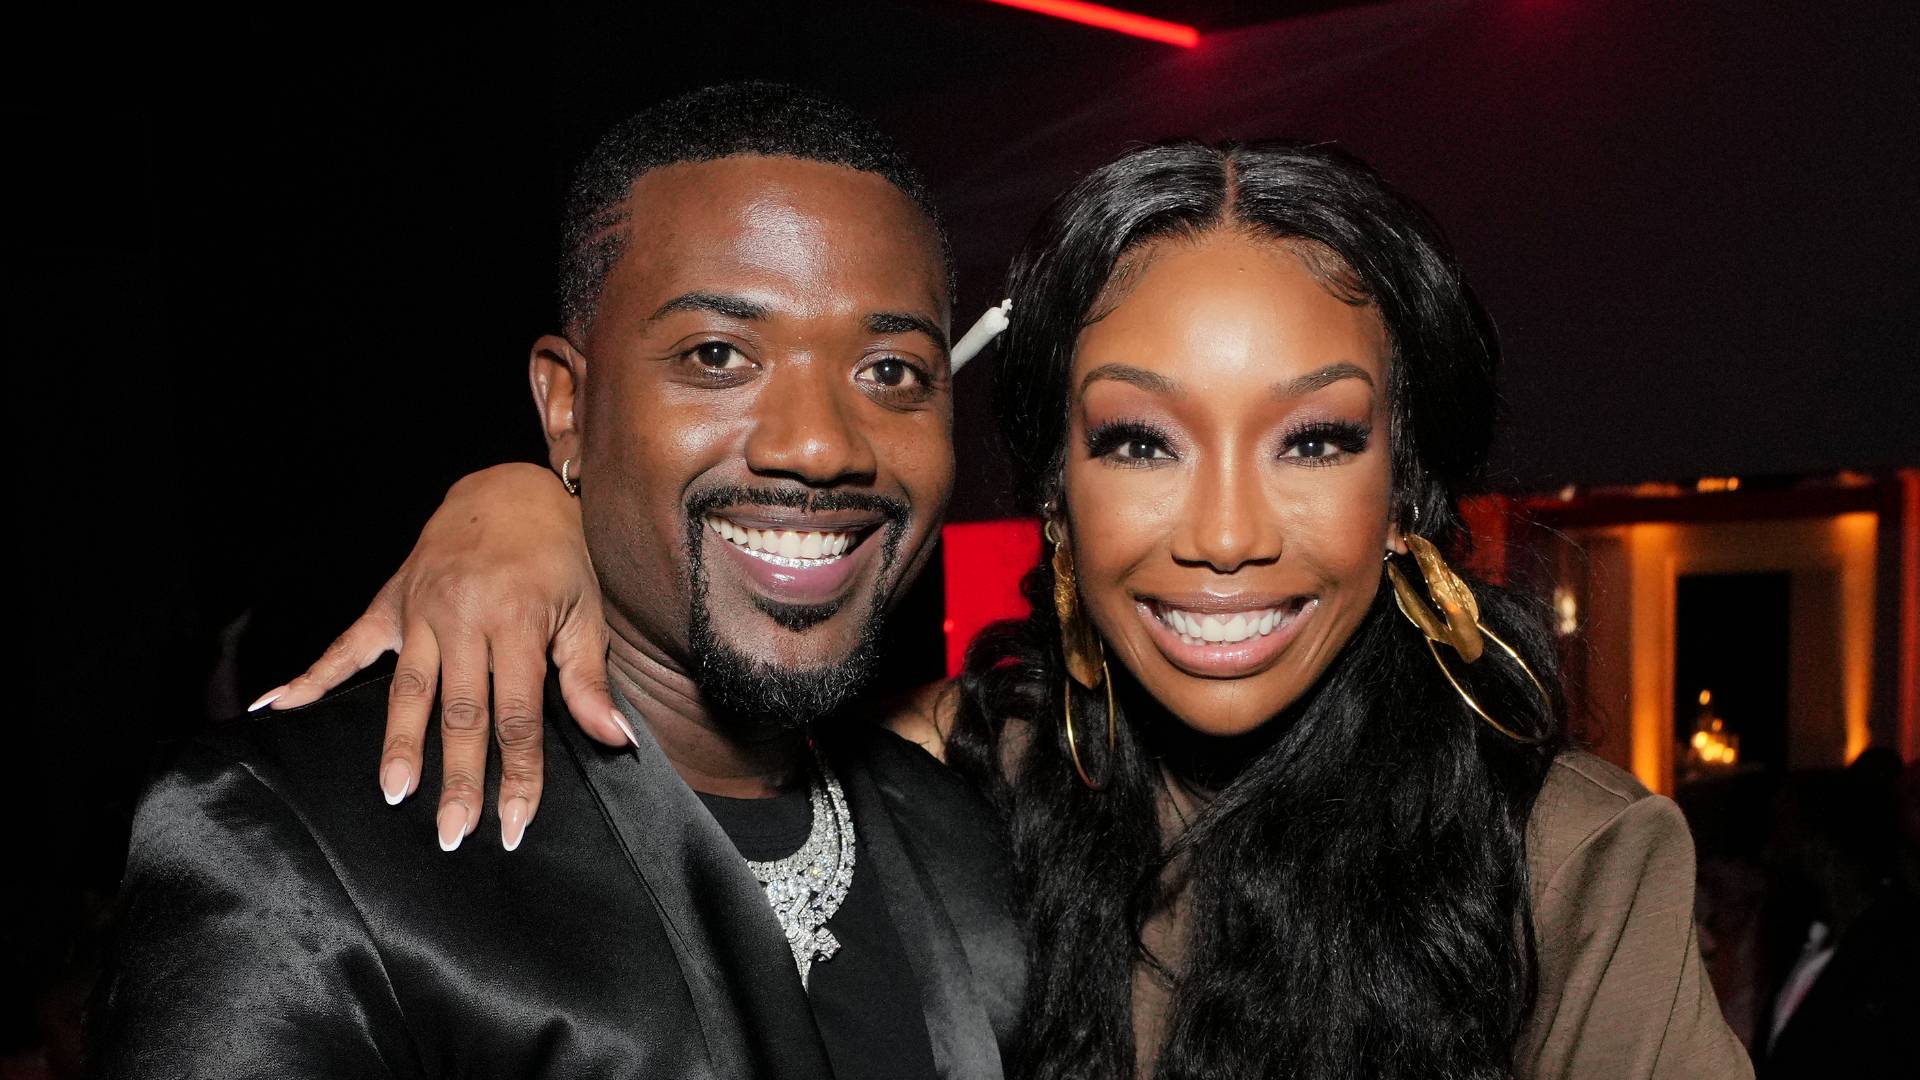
{"type": "Point", "coordinates": [463, 736]}
{"type": "Point", "coordinates": [580, 657]}
{"type": "Point", "coordinates": [409, 705]}
{"type": "Point", "coordinates": [519, 686]}
{"type": "Point", "coordinates": [372, 634]}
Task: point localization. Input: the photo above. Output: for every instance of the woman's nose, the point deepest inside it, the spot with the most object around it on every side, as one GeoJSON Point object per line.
{"type": "Point", "coordinates": [1229, 521]}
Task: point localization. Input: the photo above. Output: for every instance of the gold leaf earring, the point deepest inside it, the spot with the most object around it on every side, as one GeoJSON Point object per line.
{"type": "Point", "coordinates": [1080, 645]}
{"type": "Point", "coordinates": [1457, 623]}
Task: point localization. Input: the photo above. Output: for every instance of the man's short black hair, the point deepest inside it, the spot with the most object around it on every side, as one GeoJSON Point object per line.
{"type": "Point", "coordinates": [715, 122]}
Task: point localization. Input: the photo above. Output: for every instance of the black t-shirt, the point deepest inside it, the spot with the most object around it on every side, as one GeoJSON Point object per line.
{"type": "Point", "coordinates": [865, 1000]}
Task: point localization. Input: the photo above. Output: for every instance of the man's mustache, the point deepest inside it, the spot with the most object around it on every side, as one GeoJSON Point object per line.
{"type": "Point", "coordinates": [712, 500]}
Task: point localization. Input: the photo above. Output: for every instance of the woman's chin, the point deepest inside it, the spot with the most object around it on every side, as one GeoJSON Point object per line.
{"type": "Point", "coordinates": [1224, 709]}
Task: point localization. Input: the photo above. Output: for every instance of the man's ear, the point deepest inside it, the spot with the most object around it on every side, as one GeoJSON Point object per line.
{"type": "Point", "coordinates": [558, 372]}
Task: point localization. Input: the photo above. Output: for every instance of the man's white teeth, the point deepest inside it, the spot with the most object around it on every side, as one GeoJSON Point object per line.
{"type": "Point", "coordinates": [1197, 629]}
{"type": "Point", "coordinates": [784, 544]}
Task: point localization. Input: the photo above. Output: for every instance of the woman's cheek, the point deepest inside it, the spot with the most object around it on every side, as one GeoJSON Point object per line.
{"type": "Point", "coordinates": [1122, 520]}
{"type": "Point", "coordinates": [1343, 532]}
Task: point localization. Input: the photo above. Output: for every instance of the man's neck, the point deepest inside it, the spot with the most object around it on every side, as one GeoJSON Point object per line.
{"type": "Point", "coordinates": [712, 755]}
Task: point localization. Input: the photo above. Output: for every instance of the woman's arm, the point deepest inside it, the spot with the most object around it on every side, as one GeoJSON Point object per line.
{"type": "Point", "coordinates": [1622, 991]}
{"type": "Point", "coordinates": [499, 580]}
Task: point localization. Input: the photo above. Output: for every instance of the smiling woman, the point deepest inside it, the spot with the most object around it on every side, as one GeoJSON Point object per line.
{"type": "Point", "coordinates": [1224, 537]}
{"type": "Point", "coordinates": [1239, 379]}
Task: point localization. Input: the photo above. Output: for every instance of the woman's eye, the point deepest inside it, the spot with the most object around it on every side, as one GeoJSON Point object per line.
{"type": "Point", "coordinates": [893, 373]}
{"type": "Point", "coordinates": [1141, 450]}
{"type": "Point", "coordinates": [719, 356]}
{"type": "Point", "coordinates": [1326, 444]}
{"type": "Point", "coordinates": [1128, 444]}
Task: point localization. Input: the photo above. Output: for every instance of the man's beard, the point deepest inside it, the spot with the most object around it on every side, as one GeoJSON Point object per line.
{"type": "Point", "coordinates": [748, 690]}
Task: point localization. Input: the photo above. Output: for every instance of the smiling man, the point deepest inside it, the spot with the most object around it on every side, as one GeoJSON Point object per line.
{"type": "Point", "coordinates": [751, 400]}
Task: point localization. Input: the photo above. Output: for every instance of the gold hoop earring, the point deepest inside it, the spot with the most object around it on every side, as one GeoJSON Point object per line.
{"type": "Point", "coordinates": [1457, 625]}
{"type": "Point", "coordinates": [571, 483]}
{"type": "Point", "coordinates": [1073, 746]}
{"type": "Point", "coordinates": [1082, 649]}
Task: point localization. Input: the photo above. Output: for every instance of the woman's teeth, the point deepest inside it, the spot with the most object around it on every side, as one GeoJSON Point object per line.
{"type": "Point", "coordinates": [1197, 629]}
{"type": "Point", "coordinates": [786, 547]}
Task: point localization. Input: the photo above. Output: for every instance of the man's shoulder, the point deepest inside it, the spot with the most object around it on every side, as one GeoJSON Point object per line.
{"type": "Point", "coordinates": [315, 746]}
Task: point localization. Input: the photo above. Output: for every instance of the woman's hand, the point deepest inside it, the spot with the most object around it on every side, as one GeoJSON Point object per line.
{"type": "Point", "coordinates": [500, 573]}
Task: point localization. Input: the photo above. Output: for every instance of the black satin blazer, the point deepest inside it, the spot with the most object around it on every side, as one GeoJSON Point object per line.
{"type": "Point", "coordinates": [278, 918]}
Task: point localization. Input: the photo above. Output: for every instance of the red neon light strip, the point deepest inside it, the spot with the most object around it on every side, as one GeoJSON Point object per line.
{"type": "Point", "coordinates": [1108, 19]}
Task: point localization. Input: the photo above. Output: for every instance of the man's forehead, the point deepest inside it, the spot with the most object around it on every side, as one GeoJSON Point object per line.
{"type": "Point", "coordinates": [832, 234]}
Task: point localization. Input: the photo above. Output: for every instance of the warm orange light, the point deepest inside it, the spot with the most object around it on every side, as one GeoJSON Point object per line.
{"type": "Point", "coordinates": [1107, 18]}
{"type": "Point", "coordinates": [1650, 552]}
{"type": "Point", "coordinates": [1706, 697]}
{"type": "Point", "coordinates": [1566, 611]}
{"type": "Point", "coordinates": [1717, 483]}
{"type": "Point", "coordinates": [1855, 538]}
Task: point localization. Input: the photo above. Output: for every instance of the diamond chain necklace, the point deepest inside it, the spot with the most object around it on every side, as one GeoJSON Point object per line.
{"type": "Point", "coordinates": [807, 887]}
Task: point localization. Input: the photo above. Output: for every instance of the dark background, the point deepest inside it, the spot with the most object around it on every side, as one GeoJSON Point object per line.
{"type": "Point", "coordinates": [1732, 635]}
{"type": "Point", "coordinates": [272, 277]}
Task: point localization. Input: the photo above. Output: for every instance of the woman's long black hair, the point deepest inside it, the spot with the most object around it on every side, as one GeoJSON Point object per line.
{"type": "Point", "coordinates": [1358, 885]}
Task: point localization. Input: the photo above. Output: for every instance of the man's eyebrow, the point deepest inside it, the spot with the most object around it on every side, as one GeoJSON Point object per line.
{"type": "Point", "coordinates": [1146, 380]}
{"type": "Point", "coordinates": [1326, 376]}
{"type": "Point", "coordinates": [733, 307]}
{"type": "Point", "coordinates": [906, 322]}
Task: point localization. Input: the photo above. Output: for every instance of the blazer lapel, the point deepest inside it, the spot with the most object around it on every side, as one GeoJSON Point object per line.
{"type": "Point", "coordinates": [945, 891]}
{"type": "Point", "coordinates": [753, 1010]}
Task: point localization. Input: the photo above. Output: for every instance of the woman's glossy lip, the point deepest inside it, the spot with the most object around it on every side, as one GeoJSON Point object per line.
{"type": "Point", "coordinates": [1227, 661]}
{"type": "Point", "coordinates": [1218, 604]}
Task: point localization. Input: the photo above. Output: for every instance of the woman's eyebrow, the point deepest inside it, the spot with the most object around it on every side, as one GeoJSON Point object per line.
{"type": "Point", "coordinates": [1151, 381]}
{"type": "Point", "coordinates": [1326, 376]}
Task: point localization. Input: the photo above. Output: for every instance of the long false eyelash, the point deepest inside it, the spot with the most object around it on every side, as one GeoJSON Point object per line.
{"type": "Point", "coordinates": [1111, 436]}
{"type": "Point", "coordinates": [1346, 436]}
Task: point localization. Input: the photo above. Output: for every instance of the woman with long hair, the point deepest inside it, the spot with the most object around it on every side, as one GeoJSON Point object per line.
{"type": "Point", "coordinates": [1286, 794]}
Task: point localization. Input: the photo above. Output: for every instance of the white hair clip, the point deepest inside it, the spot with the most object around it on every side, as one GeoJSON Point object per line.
{"type": "Point", "coordinates": [983, 331]}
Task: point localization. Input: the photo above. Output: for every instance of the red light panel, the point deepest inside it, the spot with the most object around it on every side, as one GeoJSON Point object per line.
{"type": "Point", "coordinates": [983, 563]}
{"type": "Point", "coordinates": [1107, 18]}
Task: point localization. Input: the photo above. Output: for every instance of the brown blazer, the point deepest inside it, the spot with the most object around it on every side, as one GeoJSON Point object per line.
{"type": "Point", "coordinates": [1623, 993]}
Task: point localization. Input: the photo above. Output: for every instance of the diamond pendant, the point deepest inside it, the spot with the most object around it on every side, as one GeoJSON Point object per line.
{"type": "Point", "coordinates": [806, 888]}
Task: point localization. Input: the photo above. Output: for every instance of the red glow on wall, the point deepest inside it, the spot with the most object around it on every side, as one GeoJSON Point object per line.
{"type": "Point", "coordinates": [983, 563]}
{"type": "Point", "coordinates": [1107, 18]}
{"type": "Point", "coordinates": [1487, 518]}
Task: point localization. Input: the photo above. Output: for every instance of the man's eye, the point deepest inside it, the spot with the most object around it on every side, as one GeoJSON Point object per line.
{"type": "Point", "coordinates": [719, 356]}
{"type": "Point", "coordinates": [892, 372]}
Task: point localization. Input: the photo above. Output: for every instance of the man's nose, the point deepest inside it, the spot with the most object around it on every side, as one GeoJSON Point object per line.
{"type": "Point", "coordinates": [1230, 520]}
{"type": "Point", "coordinates": [807, 427]}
